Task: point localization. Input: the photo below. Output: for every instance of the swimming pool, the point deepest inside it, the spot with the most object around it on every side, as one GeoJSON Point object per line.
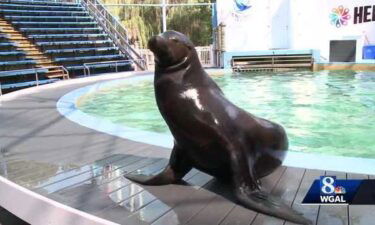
{"type": "Point", "coordinates": [323, 112]}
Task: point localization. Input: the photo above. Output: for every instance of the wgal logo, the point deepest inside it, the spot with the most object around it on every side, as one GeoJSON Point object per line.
{"type": "Point", "coordinates": [330, 192]}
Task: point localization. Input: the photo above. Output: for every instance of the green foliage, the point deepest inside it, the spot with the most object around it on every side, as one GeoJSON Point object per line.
{"type": "Point", "coordinates": [194, 21]}
{"type": "Point", "coordinates": [144, 21]}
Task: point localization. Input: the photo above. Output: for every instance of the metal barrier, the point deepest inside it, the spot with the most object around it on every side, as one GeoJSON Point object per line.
{"type": "Point", "coordinates": [149, 58]}
{"type": "Point", "coordinates": [65, 75]}
{"type": "Point", "coordinates": [86, 66]}
{"type": "Point", "coordinates": [115, 30]}
{"type": "Point", "coordinates": [205, 55]}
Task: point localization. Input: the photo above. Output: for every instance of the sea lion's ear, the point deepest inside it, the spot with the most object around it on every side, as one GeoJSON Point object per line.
{"type": "Point", "coordinates": [189, 46]}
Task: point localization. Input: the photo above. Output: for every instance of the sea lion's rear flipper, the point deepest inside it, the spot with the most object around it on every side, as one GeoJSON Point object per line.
{"type": "Point", "coordinates": [173, 173]}
{"type": "Point", "coordinates": [265, 203]}
{"type": "Point", "coordinates": [249, 194]}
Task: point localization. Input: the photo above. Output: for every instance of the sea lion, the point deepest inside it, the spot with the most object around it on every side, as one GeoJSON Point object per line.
{"type": "Point", "coordinates": [211, 133]}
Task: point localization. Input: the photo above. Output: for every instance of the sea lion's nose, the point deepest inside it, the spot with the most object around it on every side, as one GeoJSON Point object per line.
{"type": "Point", "coordinates": [153, 42]}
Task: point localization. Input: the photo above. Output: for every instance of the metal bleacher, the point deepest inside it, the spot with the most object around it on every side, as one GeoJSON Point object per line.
{"type": "Point", "coordinates": [57, 35]}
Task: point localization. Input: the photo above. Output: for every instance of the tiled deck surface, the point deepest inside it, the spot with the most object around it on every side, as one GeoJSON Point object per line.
{"type": "Point", "coordinates": [83, 168]}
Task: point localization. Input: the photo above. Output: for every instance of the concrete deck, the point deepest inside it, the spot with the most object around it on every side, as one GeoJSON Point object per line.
{"type": "Point", "coordinates": [82, 168]}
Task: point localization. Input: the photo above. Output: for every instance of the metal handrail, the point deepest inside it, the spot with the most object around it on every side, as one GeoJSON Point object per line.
{"type": "Point", "coordinates": [116, 21]}
{"type": "Point", "coordinates": [115, 30]}
{"type": "Point", "coordinates": [66, 73]}
{"type": "Point", "coordinates": [86, 66]}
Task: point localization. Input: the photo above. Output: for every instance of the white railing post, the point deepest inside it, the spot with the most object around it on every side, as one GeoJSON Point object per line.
{"type": "Point", "coordinates": [36, 77]}
{"type": "Point", "coordinates": [212, 61]}
{"type": "Point", "coordinates": [164, 15]}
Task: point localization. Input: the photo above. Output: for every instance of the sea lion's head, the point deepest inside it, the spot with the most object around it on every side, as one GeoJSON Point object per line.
{"type": "Point", "coordinates": [171, 49]}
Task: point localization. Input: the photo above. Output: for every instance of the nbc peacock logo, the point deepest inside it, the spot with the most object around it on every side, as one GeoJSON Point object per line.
{"type": "Point", "coordinates": [241, 6]}
{"type": "Point", "coordinates": [339, 16]}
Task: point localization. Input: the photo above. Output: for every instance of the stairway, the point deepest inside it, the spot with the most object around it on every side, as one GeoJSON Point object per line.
{"type": "Point", "coordinates": [61, 33]}
{"type": "Point", "coordinates": [31, 51]}
{"type": "Point", "coordinates": [42, 41]}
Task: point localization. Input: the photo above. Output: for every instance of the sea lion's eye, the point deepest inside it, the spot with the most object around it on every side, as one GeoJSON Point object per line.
{"type": "Point", "coordinates": [174, 39]}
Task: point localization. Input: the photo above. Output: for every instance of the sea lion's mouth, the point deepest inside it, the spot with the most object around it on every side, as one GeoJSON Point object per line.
{"type": "Point", "coordinates": [179, 64]}
{"type": "Point", "coordinates": [176, 66]}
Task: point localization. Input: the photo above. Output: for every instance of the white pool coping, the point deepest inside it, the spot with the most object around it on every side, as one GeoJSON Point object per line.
{"type": "Point", "coordinates": [37, 209]}
{"type": "Point", "coordinates": [33, 207]}
{"type": "Point", "coordinates": [67, 106]}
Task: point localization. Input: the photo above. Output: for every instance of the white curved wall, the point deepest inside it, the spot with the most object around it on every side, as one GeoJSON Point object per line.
{"type": "Point", "coordinates": [292, 24]}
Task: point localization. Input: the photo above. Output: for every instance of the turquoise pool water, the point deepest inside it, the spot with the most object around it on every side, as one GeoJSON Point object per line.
{"type": "Point", "coordinates": [323, 112]}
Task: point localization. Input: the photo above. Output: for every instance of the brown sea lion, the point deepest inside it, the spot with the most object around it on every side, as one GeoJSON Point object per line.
{"type": "Point", "coordinates": [211, 133]}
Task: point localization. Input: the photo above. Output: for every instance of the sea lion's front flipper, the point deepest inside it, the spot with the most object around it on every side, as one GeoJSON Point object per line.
{"type": "Point", "coordinates": [249, 194]}
{"type": "Point", "coordinates": [173, 173]}
{"type": "Point", "coordinates": [167, 176]}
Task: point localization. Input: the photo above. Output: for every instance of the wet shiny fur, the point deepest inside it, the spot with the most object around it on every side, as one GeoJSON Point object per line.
{"type": "Point", "coordinates": [211, 133]}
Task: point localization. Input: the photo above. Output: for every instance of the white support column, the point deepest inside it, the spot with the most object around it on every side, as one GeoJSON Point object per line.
{"type": "Point", "coordinates": [164, 15]}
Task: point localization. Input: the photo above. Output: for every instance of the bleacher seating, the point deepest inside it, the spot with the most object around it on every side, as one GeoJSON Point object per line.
{"type": "Point", "coordinates": [51, 18]}
{"type": "Point", "coordinates": [78, 44]}
{"type": "Point", "coordinates": [38, 13]}
{"type": "Point", "coordinates": [19, 85]}
{"type": "Point", "coordinates": [15, 67]}
{"type": "Point", "coordinates": [10, 57]}
{"type": "Point", "coordinates": [16, 79]}
{"type": "Point", "coordinates": [38, 24]}
{"type": "Point", "coordinates": [27, 6]}
{"type": "Point", "coordinates": [64, 33]}
{"type": "Point", "coordinates": [40, 30]}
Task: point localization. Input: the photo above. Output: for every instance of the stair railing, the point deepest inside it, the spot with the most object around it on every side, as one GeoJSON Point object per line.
{"type": "Point", "coordinates": [65, 74]}
{"type": "Point", "coordinates": [114, 29]}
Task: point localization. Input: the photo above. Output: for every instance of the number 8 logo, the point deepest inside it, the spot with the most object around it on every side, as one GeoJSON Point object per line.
{"type": "Point", "coordinates": [328, 187]}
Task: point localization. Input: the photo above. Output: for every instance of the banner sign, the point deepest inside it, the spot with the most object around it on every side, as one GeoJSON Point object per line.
{"type": "Point", "coordinates": [328, 191]}
{"type": "Point", "coordinates": [252, 25]}
{"type": "Point", "coordinates": [359, 14]}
